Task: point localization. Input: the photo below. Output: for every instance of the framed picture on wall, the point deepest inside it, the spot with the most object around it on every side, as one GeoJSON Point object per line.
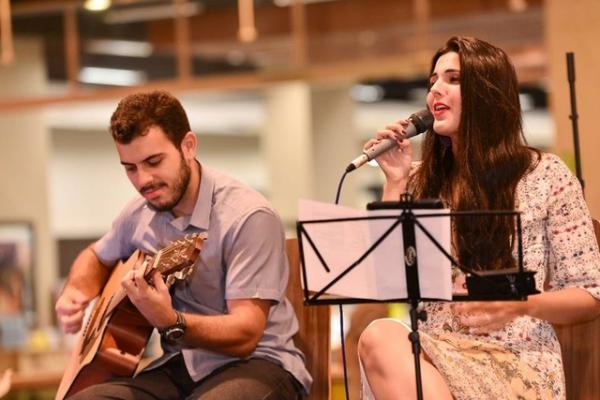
{"type": "Point", "coordinates": [17, 271]}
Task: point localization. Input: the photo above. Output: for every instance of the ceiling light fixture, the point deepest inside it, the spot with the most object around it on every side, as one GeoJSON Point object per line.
{"type": "Point", "coordinates": [111, 76]}
{"type": "Point", "coordinates": [96, 5]}
{"type": "Point", "coordinates": [367, 93]}
{"type": "Point", "coordinates": [114, 47]}
{"type": "Point", "coordinates": [287, 3]}
{"type": "Point", "coordinates": [151, 13]}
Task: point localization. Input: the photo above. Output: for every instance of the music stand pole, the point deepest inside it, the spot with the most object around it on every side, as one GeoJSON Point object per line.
{"type": "Point", "coordinates": [413, 336]}
{"type": "Point", "coordinates": [412, 286]}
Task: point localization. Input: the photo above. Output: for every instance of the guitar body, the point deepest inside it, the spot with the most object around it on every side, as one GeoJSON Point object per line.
{"type": "Point", "coordinates": [116, 333]}
{"type": "Point", "coordinates": [112, 342]}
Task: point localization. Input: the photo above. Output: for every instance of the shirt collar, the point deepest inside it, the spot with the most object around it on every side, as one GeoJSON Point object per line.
{"type": "Point", "coordinates": [200, 217]}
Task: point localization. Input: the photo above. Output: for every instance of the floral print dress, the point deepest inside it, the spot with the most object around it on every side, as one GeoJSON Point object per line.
{"type": "Point", "coordinates": [522, 360]}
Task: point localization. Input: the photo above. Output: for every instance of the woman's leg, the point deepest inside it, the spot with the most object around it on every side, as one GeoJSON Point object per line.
{"type": "Point", "coordinates": [388, 361]}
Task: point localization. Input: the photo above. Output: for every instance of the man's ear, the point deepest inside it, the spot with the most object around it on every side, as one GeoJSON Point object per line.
{"type": "Point", "coordinates": [188, 146]}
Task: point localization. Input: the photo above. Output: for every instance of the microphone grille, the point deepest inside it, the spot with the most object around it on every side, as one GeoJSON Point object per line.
{"type": "Point", "coordinates": [422, 120]}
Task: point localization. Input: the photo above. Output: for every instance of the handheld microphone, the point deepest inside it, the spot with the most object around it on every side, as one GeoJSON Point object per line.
{"type": "Point", "coordinates": [418, 122]}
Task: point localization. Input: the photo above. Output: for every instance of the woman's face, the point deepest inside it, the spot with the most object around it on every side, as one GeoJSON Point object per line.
{"type": "Point", "coordinates": [444, 99]}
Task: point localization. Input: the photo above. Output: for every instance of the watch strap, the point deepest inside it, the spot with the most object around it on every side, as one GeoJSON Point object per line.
{"type": "Point", "coordinates": [179, 324]}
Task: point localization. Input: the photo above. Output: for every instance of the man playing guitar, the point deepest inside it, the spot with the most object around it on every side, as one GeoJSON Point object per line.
{"type": "Point", "coordinates": [226, 332]}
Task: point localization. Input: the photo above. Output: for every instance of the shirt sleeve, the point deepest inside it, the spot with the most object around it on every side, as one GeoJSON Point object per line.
{"type": "Point", "coordinates": [115, 244]}
{"type": "Point", "coordinates": [575, 260]}
{"type": "Point", "coordinates": [256, 264]}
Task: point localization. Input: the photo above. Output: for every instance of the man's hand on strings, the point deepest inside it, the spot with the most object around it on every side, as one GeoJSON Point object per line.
{"type": "Point", "coordinates": [70, 308]}
{"type": "Point", "coordinates": [152, 298]}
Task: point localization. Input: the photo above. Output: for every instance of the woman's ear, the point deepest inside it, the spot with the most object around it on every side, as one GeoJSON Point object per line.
{"type": "Point", "coordinates": [188, 146]}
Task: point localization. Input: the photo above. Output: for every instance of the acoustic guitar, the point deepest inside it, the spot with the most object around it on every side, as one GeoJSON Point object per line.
{"type": "Point", "coordinates": [116, 333]}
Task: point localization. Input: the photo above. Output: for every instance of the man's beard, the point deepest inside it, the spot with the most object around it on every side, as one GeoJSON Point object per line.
{"type": "Point", "coordinates": [179, 189]}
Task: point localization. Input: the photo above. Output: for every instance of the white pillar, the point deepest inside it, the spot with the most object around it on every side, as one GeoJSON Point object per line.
{"type": "Point", "coordinates": [335, 142]}
{"type": "Point", "coordinates": [308, 140]}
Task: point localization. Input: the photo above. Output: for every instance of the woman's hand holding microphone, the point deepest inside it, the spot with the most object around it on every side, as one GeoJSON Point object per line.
{"type": "Point", "coordinates": [394, 163]}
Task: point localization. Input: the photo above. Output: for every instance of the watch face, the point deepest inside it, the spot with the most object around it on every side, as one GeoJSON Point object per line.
{"type": "Point", "coordinates": [174, 334]}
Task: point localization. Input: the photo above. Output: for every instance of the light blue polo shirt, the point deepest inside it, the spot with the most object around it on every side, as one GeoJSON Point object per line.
{"type": "Point", "coordinates": [242, 258]}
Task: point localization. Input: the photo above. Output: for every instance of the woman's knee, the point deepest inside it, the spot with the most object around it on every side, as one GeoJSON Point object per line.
{"type": "Point", "coordinates": [381, 337]}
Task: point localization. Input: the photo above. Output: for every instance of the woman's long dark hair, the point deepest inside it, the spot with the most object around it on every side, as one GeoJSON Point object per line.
{"type": "Point", "coordinates": [492, 155]}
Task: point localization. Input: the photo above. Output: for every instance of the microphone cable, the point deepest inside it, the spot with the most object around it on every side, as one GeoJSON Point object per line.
{"type": "Point", "coordinates": [341, 308]}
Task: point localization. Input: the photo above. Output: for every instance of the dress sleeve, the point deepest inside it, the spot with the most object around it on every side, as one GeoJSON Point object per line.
{"type": "Point", "coordinates": [573, 249]}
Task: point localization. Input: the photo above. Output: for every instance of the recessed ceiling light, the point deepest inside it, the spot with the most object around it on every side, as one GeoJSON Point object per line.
{"type": "Point", "coordinates": [96, 5]}
{"type": "Point", "coordinates": [286, 3]}
{"type": "Point", "coordinates": [367, 93]}
{"type": "Point", "coordinates": [111, 76]}
{"type": "Point", "coordinates": [152, 13]}
{"type": "Point", "coordinates": [126, 48]}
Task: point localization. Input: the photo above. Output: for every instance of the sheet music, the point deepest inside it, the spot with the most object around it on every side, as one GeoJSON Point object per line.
{"type": "Point", "coordinates": [381, 275]}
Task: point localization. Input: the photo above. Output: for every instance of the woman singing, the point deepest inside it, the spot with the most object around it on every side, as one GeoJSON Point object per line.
{"type": "Point", "coordinates": [474, 158]}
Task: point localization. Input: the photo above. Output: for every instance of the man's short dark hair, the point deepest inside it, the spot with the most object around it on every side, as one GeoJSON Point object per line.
{"type": "Point", "coordinates": [138, 112]}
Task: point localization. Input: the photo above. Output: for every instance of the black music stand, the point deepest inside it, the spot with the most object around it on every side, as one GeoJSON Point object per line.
{"type": "Point", "coordinates": [511, 285]}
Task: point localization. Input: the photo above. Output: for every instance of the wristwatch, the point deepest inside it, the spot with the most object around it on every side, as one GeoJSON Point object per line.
{"type": "Point", "coordinates": [174, 333]}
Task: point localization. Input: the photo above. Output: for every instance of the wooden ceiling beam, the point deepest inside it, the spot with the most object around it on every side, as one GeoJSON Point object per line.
{"type": "Point", "coordinates": [349, 72]}
{"type": "Point", "coordinates": [71, 41]}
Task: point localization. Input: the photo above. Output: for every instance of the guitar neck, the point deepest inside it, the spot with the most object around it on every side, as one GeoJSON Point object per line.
{"type": "Point", "coordinates": [164, 261]}
{"type": "Point", "coordinates": [174, 260]}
